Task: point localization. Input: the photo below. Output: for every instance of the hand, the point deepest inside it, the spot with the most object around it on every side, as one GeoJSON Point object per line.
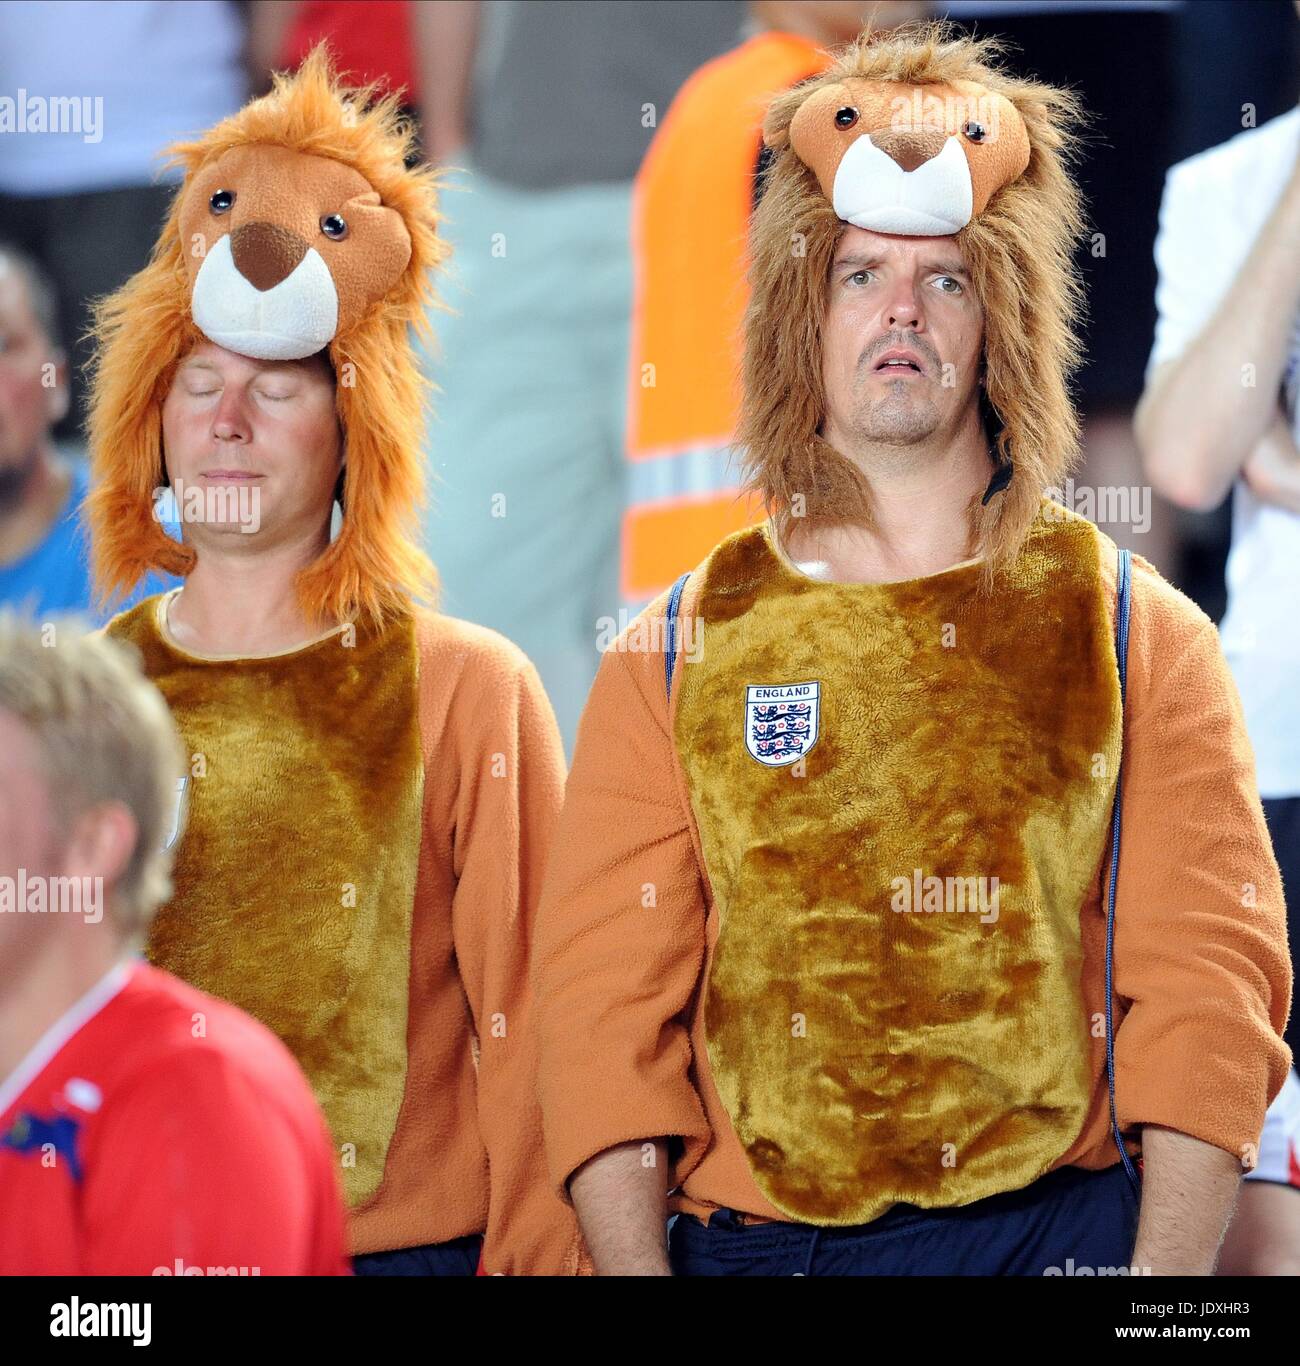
{"type": "Point", "coordinates": [1272, 470]}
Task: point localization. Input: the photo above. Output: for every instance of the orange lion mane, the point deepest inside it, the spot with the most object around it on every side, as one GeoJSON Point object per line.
{"type": "Point", "coordinates": [1019, 251]}
{"type": "Point", "coordinates": [374, 567]}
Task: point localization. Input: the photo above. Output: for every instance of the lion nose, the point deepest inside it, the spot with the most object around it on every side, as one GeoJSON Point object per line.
{"type": "Point", "coordinates": [266, 254]}
{"type": "Point", "coordinates": [910, 149]}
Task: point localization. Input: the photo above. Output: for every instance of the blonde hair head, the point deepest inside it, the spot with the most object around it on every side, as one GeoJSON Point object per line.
{"type": "Point", "coordinates": [104, 734]}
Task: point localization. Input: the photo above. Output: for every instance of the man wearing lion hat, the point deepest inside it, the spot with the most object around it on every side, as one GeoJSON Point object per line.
{"type": "Point", "coordinates": [372, 785]}
{"type": "Point", "coordinates": [841, 957]}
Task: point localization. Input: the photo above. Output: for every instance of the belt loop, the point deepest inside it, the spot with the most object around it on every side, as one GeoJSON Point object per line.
{"type": "Point", "coordinates": [812, 1252]}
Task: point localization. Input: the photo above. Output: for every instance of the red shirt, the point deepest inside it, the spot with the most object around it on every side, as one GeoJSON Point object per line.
{"type": "Point", "coordinates": [156, 1130]}
{"type": "Point", "coordinates": [371, 41]}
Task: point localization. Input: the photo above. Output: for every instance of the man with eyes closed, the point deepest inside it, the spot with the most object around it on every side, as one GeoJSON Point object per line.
{"type": "Point", "coordinates": [253, 454]}
{"type": "Point", "coordinates": [372, 785]}
{"type": "Point", "coordinates": [321, 885]}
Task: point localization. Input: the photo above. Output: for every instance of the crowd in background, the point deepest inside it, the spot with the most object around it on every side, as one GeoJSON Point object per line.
{"type": "Point", "coordinates": [549, 476]}
{"type": "Point", "coordinates": [600, 163]}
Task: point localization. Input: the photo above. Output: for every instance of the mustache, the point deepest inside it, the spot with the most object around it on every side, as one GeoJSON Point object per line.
{"type": "Point", "coordinates": [910, 342]}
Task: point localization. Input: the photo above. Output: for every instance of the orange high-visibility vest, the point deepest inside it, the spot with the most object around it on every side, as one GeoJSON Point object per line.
{"type": "Point", "coordinates": [690, 226]}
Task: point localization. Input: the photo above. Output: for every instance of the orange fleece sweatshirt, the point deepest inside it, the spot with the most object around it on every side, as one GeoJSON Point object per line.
{"type": "Point", "coordinates": [1202, 982]}
{"type": "Point", "coordinates": [467, 1152]}
{"type": "Point", "coordinates": [256, 916]}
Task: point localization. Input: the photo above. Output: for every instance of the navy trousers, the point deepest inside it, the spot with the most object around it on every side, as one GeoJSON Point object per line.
{"type": "Point", "coordinates": [1069, 1222]}
{"type": "Point", "coordinates": [459, 1257]}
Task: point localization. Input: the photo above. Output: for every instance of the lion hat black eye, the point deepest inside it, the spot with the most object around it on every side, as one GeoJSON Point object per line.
{"type": "Point", "coordinates": [974, 131]}
{"type": "Point", "coordinates": [846, 117]}
{"type": "Point", "coordinates": [222, 201]}
{"type": "Point", "coordinates": [333, 225]}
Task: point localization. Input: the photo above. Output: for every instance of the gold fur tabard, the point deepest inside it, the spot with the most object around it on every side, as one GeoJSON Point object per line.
{"type": "Point", "coordinates": [880, 1027]}
{"type": "Point", "coordinates": [295, 878]}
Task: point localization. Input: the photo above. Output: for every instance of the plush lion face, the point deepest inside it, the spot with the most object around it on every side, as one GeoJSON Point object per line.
{"type": "Point", "coordinates": [286, 250]}
{"type": "Point", "coordinates": [921, 160]}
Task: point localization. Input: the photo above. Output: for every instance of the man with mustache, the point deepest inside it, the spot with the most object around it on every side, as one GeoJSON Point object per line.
{"type": "Point", "coordinates": [919, 690]}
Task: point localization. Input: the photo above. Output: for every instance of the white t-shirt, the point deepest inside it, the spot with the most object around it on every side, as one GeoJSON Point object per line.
{"type": "Point", "coordinates": [90, 93]}
{"type": "Point", "coordinates": [1215, 205]}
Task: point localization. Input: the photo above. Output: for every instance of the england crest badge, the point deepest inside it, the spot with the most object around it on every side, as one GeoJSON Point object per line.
{"type": "Point", "coordinates": [781, 721]}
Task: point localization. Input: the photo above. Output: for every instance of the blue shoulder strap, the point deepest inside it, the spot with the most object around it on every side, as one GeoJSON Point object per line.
{"type": "Point", "coordinates": [1124, 578]}
{"type": "Point", "coordinates": [670, 645]}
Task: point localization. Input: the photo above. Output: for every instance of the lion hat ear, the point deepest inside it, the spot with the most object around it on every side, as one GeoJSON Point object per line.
{"type": "Point", "coordinates": [776, 123]}
{"type": "Point", "coordinates": [298, 227]}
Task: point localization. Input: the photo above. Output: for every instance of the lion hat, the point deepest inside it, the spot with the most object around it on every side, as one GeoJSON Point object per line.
{"type": "Point", "coordinates": [919, 131]}
{"type": "Point", "coordinates": [298, 227]}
